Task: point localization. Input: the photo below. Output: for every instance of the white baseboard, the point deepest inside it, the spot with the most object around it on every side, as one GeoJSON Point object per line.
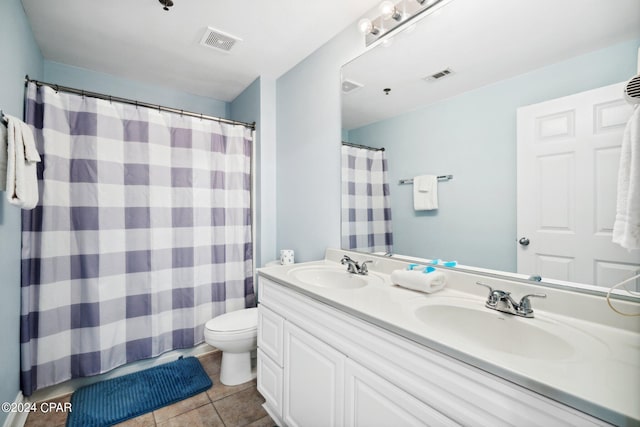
{"type": "Point", "coordinates": [16, 419]}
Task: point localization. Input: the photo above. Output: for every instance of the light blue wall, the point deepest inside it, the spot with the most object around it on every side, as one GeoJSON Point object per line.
{"type": "Point", "coordinates": [308, 154]}
{"type": "Point", "coordinates": [267, 170]}
{"type": "Point", "coordinates": [473, 137]}
{"type": "Point", "coordinates": [80, 78]}
{"type": "Point", "coordinates": [20, 56]}
{"type": "Point", "coordinates": [246, 108]}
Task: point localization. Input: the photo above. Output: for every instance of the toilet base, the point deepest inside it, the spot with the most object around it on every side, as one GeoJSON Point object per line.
{"type": "Point", "coordinates": [235, 368]}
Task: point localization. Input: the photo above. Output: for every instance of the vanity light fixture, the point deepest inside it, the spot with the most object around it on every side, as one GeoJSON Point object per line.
{"type": "Point", "coordinates": [392, 16]}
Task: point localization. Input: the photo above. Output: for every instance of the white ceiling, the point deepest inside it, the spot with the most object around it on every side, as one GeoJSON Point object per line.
{"type": "Point", "coordinates": [482, 42]}
{"type": "Point", "coordinates": [138, 40]}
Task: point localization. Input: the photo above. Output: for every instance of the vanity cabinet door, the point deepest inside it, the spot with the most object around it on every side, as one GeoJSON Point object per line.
{"type": "Point", "coordinates": [371, 401]}
{"type": "Point", "coordinates": [313, 381]}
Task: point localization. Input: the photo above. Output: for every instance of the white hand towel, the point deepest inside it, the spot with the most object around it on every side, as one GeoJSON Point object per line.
{"type": "Point", "coordinates": [425, 192]}
{"type": "Point", "coordinates": [22, 156]}
{"type": "Point", "coordinates": [626, 229]}
{"type": "Point", "coordinates": [3, 155]}
{"type": "Point", "coordinates": [419, 281]}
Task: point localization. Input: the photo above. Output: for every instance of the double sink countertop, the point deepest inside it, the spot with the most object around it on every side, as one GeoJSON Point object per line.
{"type": "Point", "coordinates": [575, 350]}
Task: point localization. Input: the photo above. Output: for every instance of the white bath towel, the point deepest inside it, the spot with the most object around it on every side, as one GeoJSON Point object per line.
{"type": "Point", "coordinates": [22, 156]}
{"type": "Point", "coordinates": [626, 229]}
{"type": "Point", "coordinates": [425, 192]}
{"type": "Point", "coordinates": [419, 281]}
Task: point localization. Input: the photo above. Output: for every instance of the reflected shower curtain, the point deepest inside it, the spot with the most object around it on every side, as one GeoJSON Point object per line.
{"type": "Point", "coordinates": [366, 203]}
{"type": "Point", "coordinates": [142, 234]}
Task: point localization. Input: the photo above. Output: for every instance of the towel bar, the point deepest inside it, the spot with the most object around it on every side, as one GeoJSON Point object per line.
{"type": "Point", "coordinates": [440, 178]}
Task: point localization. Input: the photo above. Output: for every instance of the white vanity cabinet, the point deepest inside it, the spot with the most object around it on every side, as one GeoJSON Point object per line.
{"type": "Point", "coordinates": [320, 366]}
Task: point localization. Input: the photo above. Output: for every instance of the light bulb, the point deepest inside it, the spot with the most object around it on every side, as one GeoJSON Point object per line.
{"type": "Point", "coordinates": [365, 25]}
{"type": "Point", "coordinates": [388, 10]}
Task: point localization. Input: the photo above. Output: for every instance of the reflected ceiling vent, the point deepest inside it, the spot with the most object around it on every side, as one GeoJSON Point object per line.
{"type": "Point", "coordinates": [218, 40]}
{"type": "Point", "coordinates": [439, 75]}
{"type": "Point", "coordinates": [349, 86]}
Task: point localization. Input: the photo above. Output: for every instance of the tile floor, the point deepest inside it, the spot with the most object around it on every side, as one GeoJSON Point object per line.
{"type": "Point", "coordinates": [220, 406]}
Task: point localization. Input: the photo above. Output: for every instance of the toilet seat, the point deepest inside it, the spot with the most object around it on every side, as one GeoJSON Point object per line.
{"type": "Point", "coordinates": [234, 323]}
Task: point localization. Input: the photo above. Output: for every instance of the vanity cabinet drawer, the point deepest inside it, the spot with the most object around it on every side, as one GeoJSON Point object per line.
{"type": "Point", "coordinates": [270, 327]}
{"type": "Point", "coordinates": [270, 383]}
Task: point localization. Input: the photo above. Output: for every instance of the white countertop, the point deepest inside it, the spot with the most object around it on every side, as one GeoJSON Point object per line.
{"type": "Point", "coordinates": [604, 382]}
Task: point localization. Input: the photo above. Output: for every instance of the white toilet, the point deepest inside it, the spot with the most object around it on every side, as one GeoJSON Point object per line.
{"type": "Point", "coordinates": [235, 334]}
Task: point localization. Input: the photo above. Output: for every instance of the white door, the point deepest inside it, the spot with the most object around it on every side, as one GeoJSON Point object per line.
{"type": "Point", "coordinates": [568, 155]}
{"type": "Point", "coordinates": [313, 381]}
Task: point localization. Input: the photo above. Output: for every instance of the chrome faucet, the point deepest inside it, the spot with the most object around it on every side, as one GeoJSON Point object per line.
{"type": "Point", "coordinates": [503, 302]}
{"type": "Point", "coordinates": [353, 266]}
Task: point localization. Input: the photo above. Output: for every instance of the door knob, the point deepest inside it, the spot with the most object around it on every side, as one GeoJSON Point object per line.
{"type": "Point", "coordinates": [524, 241]}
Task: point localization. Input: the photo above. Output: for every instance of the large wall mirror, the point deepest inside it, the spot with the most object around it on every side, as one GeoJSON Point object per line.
{"type": "Point", "coordinates": [446, 96]}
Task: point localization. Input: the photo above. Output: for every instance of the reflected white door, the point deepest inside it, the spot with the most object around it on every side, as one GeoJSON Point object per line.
{"type": "Point", "coordinates": [568, 155]}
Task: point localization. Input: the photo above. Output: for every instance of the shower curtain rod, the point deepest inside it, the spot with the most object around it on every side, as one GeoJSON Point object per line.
{"type": "Point", "coordinates": [362, 146]}
{"type": "Point", "coordinates": [251, 126]}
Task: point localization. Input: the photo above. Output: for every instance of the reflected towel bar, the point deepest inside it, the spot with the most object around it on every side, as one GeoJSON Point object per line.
{"type": "Point", "coordinates": [440, 178]}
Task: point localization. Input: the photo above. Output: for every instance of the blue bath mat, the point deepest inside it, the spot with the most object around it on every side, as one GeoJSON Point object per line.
{"type": "Point", "coordinates": [116, 400]}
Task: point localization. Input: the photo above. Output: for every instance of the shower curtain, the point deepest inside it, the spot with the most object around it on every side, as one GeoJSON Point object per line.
{"type": "Point", "coordinates": [366, 203]}
{"type": "Point", "coordinates": [141, 235]}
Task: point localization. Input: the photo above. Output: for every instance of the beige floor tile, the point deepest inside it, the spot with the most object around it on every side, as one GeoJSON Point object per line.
{"type": "Point", "coordinates": [211, 362]}
{"type": "Point", "coordinates": [263, 422]}
{"type": "Point", "coordinates": [204, 416]}
{"type": "Point", "coordinates": [145, 420]}
{"type": "Point", "coordinates": [241, 408]}
{"type": "Point", "coordinates": [220, 391]}
{"type": "Point", "coordinates": [181, 407]}
{"type": "Point", "coordinates": [52, 418]}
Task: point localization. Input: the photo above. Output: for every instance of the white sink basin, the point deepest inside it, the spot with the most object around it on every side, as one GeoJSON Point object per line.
{"type": "Point", "coordinates": [332, 277]}
{"type": "Point", "coordinates": [543, 339]}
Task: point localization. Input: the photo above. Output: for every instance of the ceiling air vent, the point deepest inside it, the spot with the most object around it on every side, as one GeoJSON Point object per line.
{"type": "Point", "coordinates": [439, 75]}
{"type": "Point", "coordinates": [218, 40]}
{"type": "Point", "coordinates": [349, 86]}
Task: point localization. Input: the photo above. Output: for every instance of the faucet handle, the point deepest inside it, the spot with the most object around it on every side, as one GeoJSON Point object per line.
{"type": "Point", "coordinates": [363, 266]}
{"type": "Point", "coordinates": [485, 285]}
{"type": "Point", "coordinates": [347, 259]}
{"type": "Point", "coordinates": [525, 305]}
{"type": "Point", "coordinates": [492, 299]}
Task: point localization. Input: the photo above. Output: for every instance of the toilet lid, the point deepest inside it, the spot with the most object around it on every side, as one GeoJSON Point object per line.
{"type": "Point", "coordinates": [234, 321]}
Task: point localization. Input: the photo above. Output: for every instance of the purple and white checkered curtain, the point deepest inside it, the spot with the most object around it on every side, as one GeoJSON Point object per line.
{"type": "Point", "coordinates": [142, 234]}
{"type": "Point", "coordinates": [366, 203]}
